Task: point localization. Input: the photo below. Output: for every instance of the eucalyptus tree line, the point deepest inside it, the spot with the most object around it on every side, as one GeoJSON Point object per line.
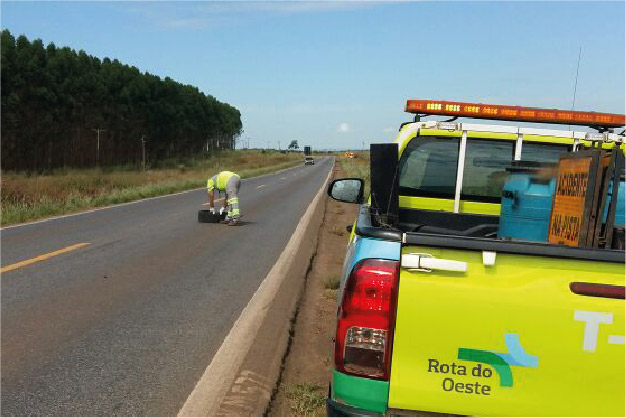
{"type": "Point", "coordinates": [62, 108]}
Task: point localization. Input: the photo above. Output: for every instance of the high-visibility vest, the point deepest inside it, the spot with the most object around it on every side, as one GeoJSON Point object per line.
{"type": "Point", "coordinates": [219, 181]}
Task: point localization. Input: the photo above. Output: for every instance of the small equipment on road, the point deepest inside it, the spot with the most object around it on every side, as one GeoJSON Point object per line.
{"type": "Point", "coordinates": [210, 217]}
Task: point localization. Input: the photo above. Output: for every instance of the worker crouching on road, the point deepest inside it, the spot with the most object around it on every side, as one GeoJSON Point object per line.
{"type": "Point", "coordinates": [228, 182]}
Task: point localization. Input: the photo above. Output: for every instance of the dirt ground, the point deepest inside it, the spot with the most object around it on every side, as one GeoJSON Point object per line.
{"type": "Point", "coordinates": [303, 385]}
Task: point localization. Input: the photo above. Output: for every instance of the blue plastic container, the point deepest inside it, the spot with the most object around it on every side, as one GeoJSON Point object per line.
{"type": "Point", "coordinates": [621, 204]}
{"type": "Point", "coordinates": [526, 205]}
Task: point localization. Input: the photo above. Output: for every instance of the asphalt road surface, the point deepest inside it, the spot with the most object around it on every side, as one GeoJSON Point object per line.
{"type": "Point", "coordinates": [126, 323]}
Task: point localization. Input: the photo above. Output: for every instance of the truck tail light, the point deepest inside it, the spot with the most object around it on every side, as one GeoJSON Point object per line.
{"type": "Point", "coordinates": [367, 318]}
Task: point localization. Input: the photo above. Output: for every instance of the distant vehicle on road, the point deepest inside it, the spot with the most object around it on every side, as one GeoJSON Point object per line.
{"type": "Point", "coordinates": [308, 160]}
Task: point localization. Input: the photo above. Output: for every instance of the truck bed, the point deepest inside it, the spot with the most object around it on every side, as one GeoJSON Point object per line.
{"type": "Point", "coordinates": [478, 232]}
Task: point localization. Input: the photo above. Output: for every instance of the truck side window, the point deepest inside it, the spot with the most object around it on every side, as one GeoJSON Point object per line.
{"type": "Point", "coordinates": [485, 169]}
{"type": "Point", "coordinates": [544, 153]}
{"type": "Point", "coordinates": [428, 167]}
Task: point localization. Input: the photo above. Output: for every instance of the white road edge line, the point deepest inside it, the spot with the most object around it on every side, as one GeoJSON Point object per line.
{"type": "Point", "coordinates": [98, 209]}
{"type": "Point", "coordinates": [208, 393]}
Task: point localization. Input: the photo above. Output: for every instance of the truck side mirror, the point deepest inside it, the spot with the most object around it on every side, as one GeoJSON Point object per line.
{"type": "Point", "coordinates": [347, 190]}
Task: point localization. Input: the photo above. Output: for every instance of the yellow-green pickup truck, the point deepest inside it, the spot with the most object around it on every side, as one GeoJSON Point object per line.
{"type": "Point", "coordinates": [436, 315]}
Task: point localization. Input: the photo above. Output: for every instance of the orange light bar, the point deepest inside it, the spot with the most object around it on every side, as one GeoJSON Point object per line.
{"type": "Point", "coordinates": [518, 113]}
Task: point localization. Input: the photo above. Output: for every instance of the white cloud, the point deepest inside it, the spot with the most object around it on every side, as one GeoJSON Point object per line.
{"type": "Point", "coordinates": [191, 23]}
{"type": "Point", "coordinates": [210, 14]}
{"type": "Point", "coordinates": [323, 108]}
{"type": "Point", "coordinates": [301, 108]}
{"type": "Point", "coordinates": [286, 6]}
{"type": "Point", "coordinates": [343, 127]}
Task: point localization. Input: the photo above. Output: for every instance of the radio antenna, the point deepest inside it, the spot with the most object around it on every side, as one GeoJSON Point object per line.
{"type": "Point", "coordinates": [580, 49]}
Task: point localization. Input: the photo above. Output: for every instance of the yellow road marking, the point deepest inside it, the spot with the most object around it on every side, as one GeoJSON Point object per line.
{"type": "Point", "coordinates": [42, 257]}
{"type": "Point", "coordinates": [258, 187]}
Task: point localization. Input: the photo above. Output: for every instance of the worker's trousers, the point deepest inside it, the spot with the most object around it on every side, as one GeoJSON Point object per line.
{"type": "Point", "coordinates": [232, 191]}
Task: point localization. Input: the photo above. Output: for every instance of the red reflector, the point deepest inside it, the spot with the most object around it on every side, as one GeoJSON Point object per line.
{"type": "Point", "coordinates": [597, 290]}
{"type": "Point", "coordinates": [366, 319]}
{"type": "Point", "coordinates": [519, 113]}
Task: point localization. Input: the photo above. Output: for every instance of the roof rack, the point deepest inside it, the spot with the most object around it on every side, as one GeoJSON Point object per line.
{"type": "Point", "coordinates": [601, 121]}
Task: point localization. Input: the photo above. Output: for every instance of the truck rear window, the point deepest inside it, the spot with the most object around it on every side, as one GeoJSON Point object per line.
{"type": "Point", "coordinates": [485, 169]}
{"type": "Point", "coordinates": [544, 153]}
{"type": "Point", "coordinates": [428, 166]}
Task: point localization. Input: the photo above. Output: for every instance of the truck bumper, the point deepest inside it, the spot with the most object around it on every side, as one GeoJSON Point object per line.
{"type": "Point", "coordinates": [337, 409]}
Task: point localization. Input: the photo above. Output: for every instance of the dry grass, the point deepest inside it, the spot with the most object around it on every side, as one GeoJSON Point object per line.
{"type": "Point", "coordinates": [26, 198]}
{"type": "Point", "coordinates": [332, 282]}
{"type": "Point", "coordinates": [331, 294]}
{"type": "Point", "coordinates": [337, 230]}
{"type": "Point", "coordinates": [307, 400]}
{"type": "Point", "coordinates": [358, 167]}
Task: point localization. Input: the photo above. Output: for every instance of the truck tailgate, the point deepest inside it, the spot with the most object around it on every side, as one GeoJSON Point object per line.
{"type": "Point", "coordinates": [509, 338]}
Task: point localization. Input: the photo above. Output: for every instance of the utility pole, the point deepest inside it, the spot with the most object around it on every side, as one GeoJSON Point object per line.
{"type": "Point", "coordinates": [98, 130]}
{"type": "Point", "coordinates": [143, 152]}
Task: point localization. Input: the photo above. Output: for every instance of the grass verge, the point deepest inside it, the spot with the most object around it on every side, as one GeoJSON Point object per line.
{"type": "Point", "coordinates": [359, 167]}
{"type": "Point", "coordinates": [28, 198]}
{"type": "Point", "coordinates": [332, 282]}
{"type": "Point", "coordinates": [307, 400]}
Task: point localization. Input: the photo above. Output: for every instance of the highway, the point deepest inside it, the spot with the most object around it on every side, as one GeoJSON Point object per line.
{"type": "Point", "coordinates": [118, 311]}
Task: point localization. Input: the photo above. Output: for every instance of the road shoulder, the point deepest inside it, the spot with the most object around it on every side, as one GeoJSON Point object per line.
{"type": "Point", "coordinates": [242, 374]}
{"type": "Point", "coordinates": [303, 385]}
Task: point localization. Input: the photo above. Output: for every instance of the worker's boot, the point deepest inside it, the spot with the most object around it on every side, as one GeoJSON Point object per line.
{"type": "Point", "coordinates": [234, 222]}
{"type": "Point", "coordinates": [226, 220]}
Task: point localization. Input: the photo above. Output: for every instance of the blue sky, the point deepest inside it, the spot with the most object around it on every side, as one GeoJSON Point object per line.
{"type": "Point", "coordinates": [337, 74]}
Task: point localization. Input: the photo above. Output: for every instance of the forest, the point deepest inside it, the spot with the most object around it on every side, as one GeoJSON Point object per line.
{"type": "Point", "coordinates": [68, 109]}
